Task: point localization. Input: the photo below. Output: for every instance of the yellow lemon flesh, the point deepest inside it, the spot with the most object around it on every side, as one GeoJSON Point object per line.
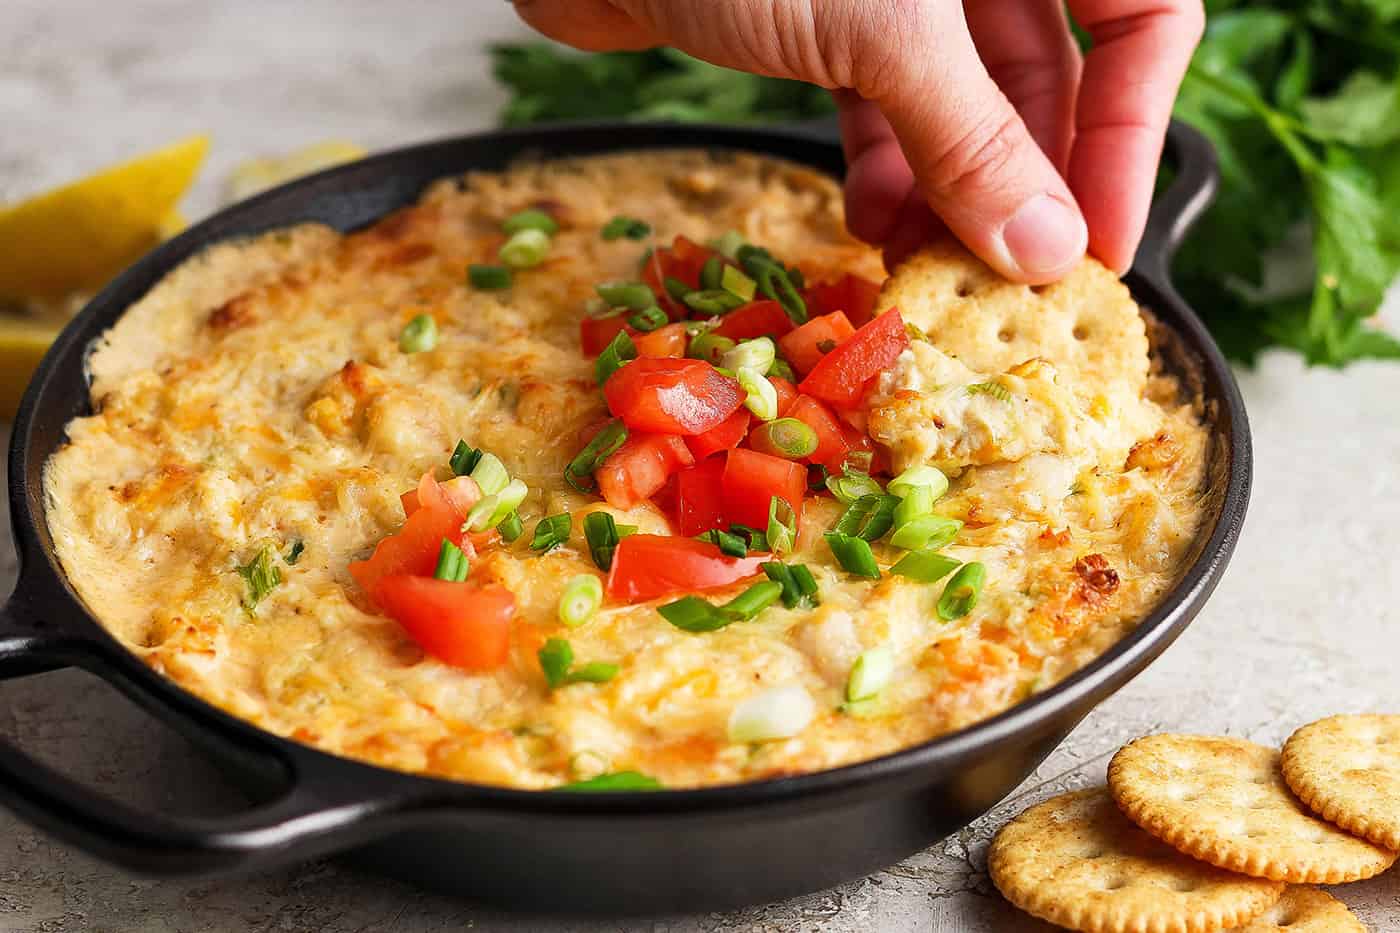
{"type": "Point", "coordinates": [256, 175]}
{"type": "Point", "coordinates": [23, 341]}
{"type": "Point", "coordinates": [77, 237]}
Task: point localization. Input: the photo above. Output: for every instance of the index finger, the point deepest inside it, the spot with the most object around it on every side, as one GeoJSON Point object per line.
{"type": "Point", "coordinates": [1140, 53]}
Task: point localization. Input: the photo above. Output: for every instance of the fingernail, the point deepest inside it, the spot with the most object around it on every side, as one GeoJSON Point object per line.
{"type": "Point", "coordinates": [1045, 236]}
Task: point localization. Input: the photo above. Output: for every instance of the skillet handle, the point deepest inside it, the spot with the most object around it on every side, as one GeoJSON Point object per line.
{"type": "Point", "coordinates": [324, 805]}
{"type": "Point", "coordinates": [1175, 210]}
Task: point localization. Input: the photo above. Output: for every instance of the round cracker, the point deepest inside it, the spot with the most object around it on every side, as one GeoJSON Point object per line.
{"type": "Point", "coordinates": [1347, 769]}
{"type": "Point", "coordinates": [1076, 862]}
{"type": "Point", "coordinates": [1087, 324]}
{"type": "Point", "coordinates": [1305, 910]}
{"type": "Point", "coordinates": [1224, 801]}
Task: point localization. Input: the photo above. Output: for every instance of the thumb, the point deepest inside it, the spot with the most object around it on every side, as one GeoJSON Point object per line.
{"type": "Point", "coordinates": [976, 162]}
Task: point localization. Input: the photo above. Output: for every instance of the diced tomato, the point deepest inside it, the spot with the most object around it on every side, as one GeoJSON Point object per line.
{"type": "Point", "coordinates": [666, 396]}
{"type": "Point", "coordinates": [687, 259]}
{"type": "Point", "coordinates": [841, 376]}
{"type": "Point", "coordinates": [662, 342]}
{"type": "Point", "coordinates": [787, 394]}
{"type": "Point", "coordinates": [699, 497]}
{"type": "Point", "coordinates": [805, 346]}
{"type": "Point", "coordinates": [832, 444]}
{"type": "Point", "coordinates": [640, 467]}
{"type": "Point", "coordinates": [463, 624]}
{"type": "Point", "coordinates": [727, 434]}
{"type": "Point", "coordinates": [851, 293]}
{"type": "Point", "coordinates": [654, 274]}
{"type": "Point", "coordinates": [755, 319]}
{"type": "Point", "coordinates": [665, 497]}
{"type": "Point", "coordinates": [412, 551]}
{"type": "Point", "coordinates": [482, 540]}
{"type": "Point", "coordinates": [459, 493]}
{"type": "Point", "coordinates": [647, 566]}
{"type": "Point", "coordinates": [595, 333]}
{"type": "Point", "coordinates": [752, 479]}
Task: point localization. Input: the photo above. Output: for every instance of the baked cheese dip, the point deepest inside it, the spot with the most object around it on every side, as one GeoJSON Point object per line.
{"type": "Point", "coordinates": [622, 472]}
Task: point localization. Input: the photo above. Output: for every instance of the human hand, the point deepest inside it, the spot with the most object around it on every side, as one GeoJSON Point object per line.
{"type": "Point", "coordinates": [980, 115]}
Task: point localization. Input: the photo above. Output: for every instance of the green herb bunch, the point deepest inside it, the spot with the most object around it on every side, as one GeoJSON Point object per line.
{"type": "Point", "coordinates": [1300, 97]}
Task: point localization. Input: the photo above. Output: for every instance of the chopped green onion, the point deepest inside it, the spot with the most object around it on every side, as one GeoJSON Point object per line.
{"type": "Point", "coordinates": [294, 554]}
{"type": "Point", "coordinates": [757, 354]}
{"type": "Point", "coordinates": [848, 487]}
{"type": "Point", "coordinates": [915, 333]}
{"type": "Point", "coordinates": [774, 281]}
{"type": "Point", "coordinates": [452, 564]}
{"type": "Point", "coordinates": [530, 219]}
{"type": "Point", "coordinates": [790, 438]}
{"type": "Point", "coordinates": [524, 249]}
{"type": "Point", "coordinates": [961, 592]}
{"type": "Point", "coordinates": [754, 600]}
{"type": "Point", "coordinates": [488, 278]}
{"type": "Point", "coordinates": [582, 596]}
{"type": "Point", "coordinates": [799, 587]}
{"type": "Point", "coordinates": [782, 526]}
{"type": "Point", "coordinates": [925, 566]}
{"type": "Point", "coordinates": [579, 472]}
{"type": "Point", "coordinates": [556, 657]}
{"type": "Point", "coordinates": [418, 335]}
{"type": "Point", "coordinates": [727, 244]}
{"type": "Point", "coordinates": [779, 713]}
{"type": "Point", "coordinates": [464, 459]}
{"type": "Point", "coordinates": [552, 531]}
{"type": "Point", "coordinates": [817, 477]}
{"type": "Point", "coordinates": [995, 389]}
{"type": "Point", "coordinates": [490, 474]}
{"type": "Point", "coordinates": [625, 530]}
{"type": "Point", "coordinates": [594, 672]}
{"type": "Point", "coordinates": [712, 274]}
{"type": "Point", "coordinates": [624, 226]}
{"type": "Point", "coordinates": [617, 781]}
{"type": "Point", "coordinates": [262, 576]}
{"type": "Point", "coordinates": [782, 369]}
{"type": "Point", "coordinates": [511, 527]}
{"type": "Point", "coordinates": [930, 532]}
{"type": "Point", "coordinates": [730, 545]}
{"type": "Point", "coordinates": [676, 288]}
{"type": "Point", "coordinates": [870, 674]}
{"type": "Point", "coordinates": [693, 614]}
{"type": "Point", "coordinates": [634, 295]}
{"type": "Point", "coordinates": [712, 301]}
{"type": "Point", "coordinates": [761, 398]}
{"type": "Point", "coordinates": [619, 351]}
{"type": "Point", "coordinates": [648, 320]}
{"type": "Point", "coordinates": [853, 554]}
{"type": "Point", "coordinates": [710, 347]}
{"type": "Point", "coordinates": [930, 478]}
{"type": "Point", "coordinates": [868, 517]}
{"type": "Point", "coordinates": [756, 538]}
{"type": "Point", "coordinates": [601, 531]}
{"type": "Point", "coordinates": [917, 502]}
{"type": "Point", "coordinates": [735, 282]}
{"type": "Point", "coordinates": [491, 510]}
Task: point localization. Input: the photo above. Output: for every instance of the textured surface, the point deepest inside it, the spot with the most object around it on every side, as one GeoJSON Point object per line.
{"type": "Point", "coordinates": [1305, 624]}
{"type": "Point", "coordinates": [1347, 768]}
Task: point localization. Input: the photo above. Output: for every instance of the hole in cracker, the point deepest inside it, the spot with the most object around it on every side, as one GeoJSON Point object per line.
{"type": "Point", "coordinates": [1080, 332]}
{"type": "Point", "coordinates": [965, 288]}
{"type": "Point", "coordinates": [1039, 289]}
{"type": "Point", "coordinates": [1115, 883]}
{"type": "Point", "coordinates": [1006, 335]}
{"type": "Point", "coordinates": [1185, 885]}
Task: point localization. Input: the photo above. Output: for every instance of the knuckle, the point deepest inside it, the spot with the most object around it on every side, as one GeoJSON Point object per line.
{"type": "Point", "coordinates": [982, 159]}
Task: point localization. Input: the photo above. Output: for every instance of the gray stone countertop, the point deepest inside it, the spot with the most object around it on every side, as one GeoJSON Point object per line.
{"type": "Point", "coordinates": [1305, 624]}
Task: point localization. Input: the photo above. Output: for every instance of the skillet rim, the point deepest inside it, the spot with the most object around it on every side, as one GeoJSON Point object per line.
{"type": "Point", "coordinates": [42, 579]}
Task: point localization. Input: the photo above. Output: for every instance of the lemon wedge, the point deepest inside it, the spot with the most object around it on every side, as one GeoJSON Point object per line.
{"type": "Point", "coordinates": [23, 341]}
{"type": "Point", "coordinates": [76, 237]}
{"type": "Point", "coordinates": [255, 175]}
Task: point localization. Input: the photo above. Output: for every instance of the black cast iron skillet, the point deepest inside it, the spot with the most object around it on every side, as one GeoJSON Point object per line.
{"type": "Point", "coordinates": [621, 852]}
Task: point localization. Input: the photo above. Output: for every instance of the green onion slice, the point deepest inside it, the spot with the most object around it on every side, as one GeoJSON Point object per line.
{"type": "Point", "coordinates": [556, 657]}
{"type": "Point", "coordinates": [735, 282]}
{"type": "Point", "coordinates": [782, 369]}
{"type": "Point", "coordinates": [552, 531]}
{"type": "Point", "coordinates": [619, 351]}
{"type": "Point", "coordinates": [754, 600]}
{"type": "Point", "coordinates": [582, 596]}
{"type": "Point", "coordinates": [419, 335]}
{"type": "Point", "coordinates": [511, 527]}
{"type": "Point", "coordinates": [648, 320]}
{"type": "Point", "coordinates": [799, 587]}
{"type": "Point", "coordinates": [491, 510]}
{"type": "Point", "coordinates": [728, 244]}
{"type": "Point", "coordinates": [729, 544]}
{"type": "Point", "coordinates": [782, 526]}
{"type": "Point", "coordinates": [624, 226]}
{"type": "Point", "coordinates": [594, 672]}
{"type": "Point", "coordinates": [712, 301]}
{"type": "Point", "coordinates": [530, 219]}
{"type": "Point", "coordinates": [294, 554]}
{"type": "Point", "coordinates": [917, 502]}
{"type": "Point", "coordinates": [926, 477]}
{"type": "Point", "coordinates": [262, 576]}
{"type": "Point", "coordinates": [761, 397]}
{"type": "Point", "coordinates": [676, 288]}
{"type": "Point", "coordinates": [710, 347]}
{"type": "Point", "coordinates": [756, 538]}
{"type": "Point", "coordinates": [452, 564]}
{"type": "Point", "coordinates": [870, 674]}
{"type": "Point", "coordinates": [579, 472]}
{"type": "Point", "coordinates": [848, 487]}
{"type": "Point", "coordinates": [853, 554]}
{"type": "Point", "coordinates": [930, 533]}
{"type": "Point", "coordinates": [488, 278]}
{"type": "Point", "coordinates": [464, 459]}
{"type": "Point", "coordinates": [693, 614]}
{"type": "Point", "coordinates": [788, 437]}
{"type": "Point", "coordinates": [868, 517]}
{"type": "Point", "coordinates": [637, 296]}
{"type": "Point", "coordinates": [757, 354]}
{"type": "Point", "coordinates": [617, 781]}
{"type": "Point", "coordinates": [490, 474]}
{"type": "Point", "coordinates": [712, 274]}
{"type": "Point", "coordinates": [962, 591]}
{"type": "Point", "coordinates": [924, 566]}
{"type": "Point", "coordinates": [601, 531]}
{"type": "Point", "coordinates": [524, 249]}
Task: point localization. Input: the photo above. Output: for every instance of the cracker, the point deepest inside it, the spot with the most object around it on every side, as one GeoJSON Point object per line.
{"type": "Point", "coordinates": [1305, 910]}
{"type": "Point", "coordinates": [1076, 862]}
{"type": "Point", "coordinates": [1224, 801]}
{"type": "Point", "coordinates": [1347, 770]}
{"type": "Point", "coordinates": [1087, 324]}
